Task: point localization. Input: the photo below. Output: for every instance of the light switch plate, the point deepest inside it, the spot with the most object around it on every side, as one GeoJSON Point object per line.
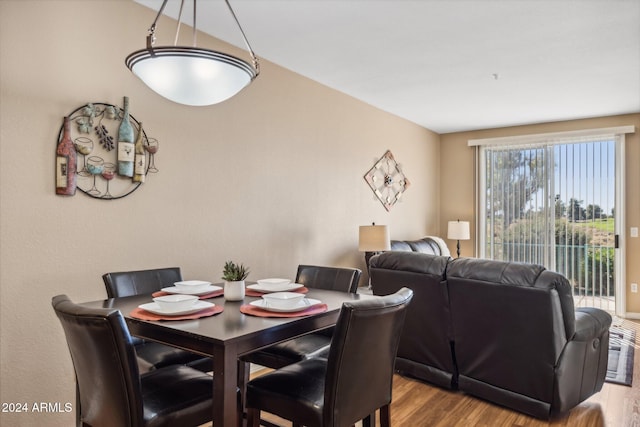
{"type": "Point", "coordinates": [634, 231]}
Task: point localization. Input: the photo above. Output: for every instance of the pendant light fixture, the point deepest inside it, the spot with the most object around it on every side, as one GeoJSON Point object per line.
{"type": "Point", "coordinates": [191, 75]}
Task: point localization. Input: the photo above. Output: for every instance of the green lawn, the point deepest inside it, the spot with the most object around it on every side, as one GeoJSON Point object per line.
{"type": "Point", "coordinates": [604, 225]}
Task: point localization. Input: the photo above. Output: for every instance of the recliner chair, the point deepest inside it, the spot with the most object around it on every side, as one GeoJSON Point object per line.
{"type": "Point", "coordinates": [518, 340]}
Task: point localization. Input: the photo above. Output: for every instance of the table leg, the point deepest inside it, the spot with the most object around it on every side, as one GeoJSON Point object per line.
{"type": "Point", "coordinates": [226, 406]}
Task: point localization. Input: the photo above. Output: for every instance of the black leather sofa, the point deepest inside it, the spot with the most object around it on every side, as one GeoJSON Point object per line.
{"type": "Point", "coordinates": [505, 332]}
{"type": "Point", "coordinates": [427, 245]}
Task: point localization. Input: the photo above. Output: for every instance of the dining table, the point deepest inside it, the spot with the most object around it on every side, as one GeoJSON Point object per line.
{"type": "Point", "coordinates": [227, 336]}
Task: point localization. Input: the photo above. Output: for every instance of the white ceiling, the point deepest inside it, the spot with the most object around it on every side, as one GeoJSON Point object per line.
{"type": "Point", "coordinates": [447, 65]}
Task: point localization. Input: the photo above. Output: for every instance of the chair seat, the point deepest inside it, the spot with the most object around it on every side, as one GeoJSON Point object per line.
{"type": "Point", "coordinates": [160, 355]}
{"type": "Point", "coordinates": [176, 395]}
{"type": "Point", "coordinates": [292, 351]}
{"type": "Point", "coordinates": [295, 392]}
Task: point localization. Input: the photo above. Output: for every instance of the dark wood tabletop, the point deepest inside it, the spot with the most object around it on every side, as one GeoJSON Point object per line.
{"type": "Point", "coordinates": [227, 336]}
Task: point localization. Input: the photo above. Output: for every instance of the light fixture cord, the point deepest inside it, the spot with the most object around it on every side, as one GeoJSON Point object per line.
{"type": "Point", "coordinates": [175, 40]}
{"type": "Point", "coordinates": [256, 64]}
{"type": "Point", "coordinates": [195, 2]}
{"type": "Point", "coordinates": [151, 38]}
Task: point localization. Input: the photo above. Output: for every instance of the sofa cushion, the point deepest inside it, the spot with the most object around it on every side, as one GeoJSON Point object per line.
{"type": "Point", "coordinates": [427, 245]}
{"type": "Point", "coordinates": [400, 245]}
{"type": "Point", "coordinates": [415, 262]}
{"type": "Point", "coordinates": [518, 274]}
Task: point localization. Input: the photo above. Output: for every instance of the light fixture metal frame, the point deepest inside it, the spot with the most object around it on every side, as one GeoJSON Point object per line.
{"type": "Point", "coordinates": [152, 51]}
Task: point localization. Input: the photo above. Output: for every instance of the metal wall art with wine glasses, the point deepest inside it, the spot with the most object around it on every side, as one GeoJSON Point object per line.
{"type": "Point", "coordinates": [387, 180]}
{"type": "Point", "coordinates": [103, 151]}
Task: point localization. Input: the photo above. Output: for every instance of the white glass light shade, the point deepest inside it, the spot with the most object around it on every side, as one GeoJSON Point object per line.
{"type": "Point", "coordinates": [374, 238]}
{"type": "Point", "coordinates": [458, 230]}
{"type": "Point", "coordinates": [189, 75]}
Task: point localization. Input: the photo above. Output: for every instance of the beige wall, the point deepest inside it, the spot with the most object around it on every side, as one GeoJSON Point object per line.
{"type": "Point", "coordinates": [272, 178]}
{"type": "Point", "coordinates": [457, 168]}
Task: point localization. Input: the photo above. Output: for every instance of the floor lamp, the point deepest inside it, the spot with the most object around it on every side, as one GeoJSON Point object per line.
{"type": "Point", "coordinates": [458, 230]}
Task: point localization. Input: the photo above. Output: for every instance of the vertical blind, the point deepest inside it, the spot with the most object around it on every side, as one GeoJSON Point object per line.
{"type": "Point", "coordinates": [551, 201]}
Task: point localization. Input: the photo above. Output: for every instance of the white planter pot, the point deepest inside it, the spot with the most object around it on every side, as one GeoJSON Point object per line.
{"type": "Point", "coordinates": [234, 291]}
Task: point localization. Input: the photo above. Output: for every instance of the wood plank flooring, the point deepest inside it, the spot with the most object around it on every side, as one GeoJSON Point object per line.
{"type": "Point", "coordinates": [416, 404]}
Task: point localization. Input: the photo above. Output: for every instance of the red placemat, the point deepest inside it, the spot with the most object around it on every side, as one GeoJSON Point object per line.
{"type": "Point", "coordinates": [251, 293]}
{"type": "Point", "coordinates": [205, 296]}
{"type": "Point", "coordinates": [141, 314]}
{"type": "Point", "coordinates": [257, 311]}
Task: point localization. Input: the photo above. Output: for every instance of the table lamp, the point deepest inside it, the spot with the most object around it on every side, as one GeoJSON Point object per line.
{"type": "Point", "coordinates": [373, 239]}
{"type": "Point", "coordinates": [458, 230]}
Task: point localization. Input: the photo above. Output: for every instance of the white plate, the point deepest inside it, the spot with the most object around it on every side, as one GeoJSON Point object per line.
{"type": "Point", "coordinates": [154, 308]}
{"type": "Point", "coordinates": [303, 305]}
{"type": "Point", "coordinates": [271, 282]}
{"type": "Point", "coordinates": [207, 290]}
{"type": "Point", "coordinates": [274, 288]}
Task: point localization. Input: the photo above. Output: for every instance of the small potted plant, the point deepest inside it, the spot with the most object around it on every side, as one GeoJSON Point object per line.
{"type": "Point", "coordinates": [234, 275]}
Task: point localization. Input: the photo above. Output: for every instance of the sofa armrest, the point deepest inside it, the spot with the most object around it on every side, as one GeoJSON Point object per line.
{"type": "Point", "coordinates": [583, 364]}
{"type": "Point", "coordinates": [591, 323]}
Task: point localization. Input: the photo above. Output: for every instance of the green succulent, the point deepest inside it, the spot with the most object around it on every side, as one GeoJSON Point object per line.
{"type": "Point", "coordinates": [233, 272]}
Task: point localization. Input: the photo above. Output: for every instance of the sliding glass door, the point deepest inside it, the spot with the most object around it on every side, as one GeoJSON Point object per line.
{"type": "Point", "coordinates": [554, 203]}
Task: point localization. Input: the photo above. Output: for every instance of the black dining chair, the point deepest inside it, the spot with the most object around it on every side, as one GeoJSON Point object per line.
{"type": "Point", "coordinates": [315, 344]}
{"type": "Point", "coordinates": [111, 390]}
{"type": "Point", "coordinates": [153, 355]}
{"type": "Point", "coordinates": [352, 383]}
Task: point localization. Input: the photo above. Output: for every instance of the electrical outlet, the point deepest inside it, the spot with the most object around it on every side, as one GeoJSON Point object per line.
{"type": "Point", "coordinates": [634, 287]}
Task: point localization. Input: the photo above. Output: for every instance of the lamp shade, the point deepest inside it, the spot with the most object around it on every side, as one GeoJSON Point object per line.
{"type": "Point", "coordinates": [374, 238]}
{"type": "Point", "coordinates": [189, 75]}
{"type": "Point", "coordinates": [458, 230]}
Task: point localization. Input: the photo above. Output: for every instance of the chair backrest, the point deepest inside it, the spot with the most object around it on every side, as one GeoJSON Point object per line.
{"type": "Point", "coordinates": [361, 358]}
{"type": "Point", "coordinates": [331, 278]}
{"type": "Point", "coordinates": [105, 364]}
{"type": "Point", "coordinates": [127, 283]}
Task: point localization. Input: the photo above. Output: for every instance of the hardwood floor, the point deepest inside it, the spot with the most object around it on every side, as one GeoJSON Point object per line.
{"type": "Point", "coordinates": [416, 404]}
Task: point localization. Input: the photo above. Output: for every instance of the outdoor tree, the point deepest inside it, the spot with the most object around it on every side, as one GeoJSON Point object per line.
{"type": "Point", "coordinates": [575, 210]}
{"type": "Point", "coordinates": [594, 212]}
{"type": "Point", "coordinates": [561, 207]}
{"type": "Point", "coordinates": [513, 177]}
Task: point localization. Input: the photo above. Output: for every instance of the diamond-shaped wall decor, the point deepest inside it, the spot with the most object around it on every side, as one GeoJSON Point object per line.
{"type": "Point", "coordinates": [387, 181]}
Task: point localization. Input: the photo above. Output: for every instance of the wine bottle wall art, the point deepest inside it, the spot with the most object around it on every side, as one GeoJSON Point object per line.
{"type": "Point", "coordinates": [96, 131]}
